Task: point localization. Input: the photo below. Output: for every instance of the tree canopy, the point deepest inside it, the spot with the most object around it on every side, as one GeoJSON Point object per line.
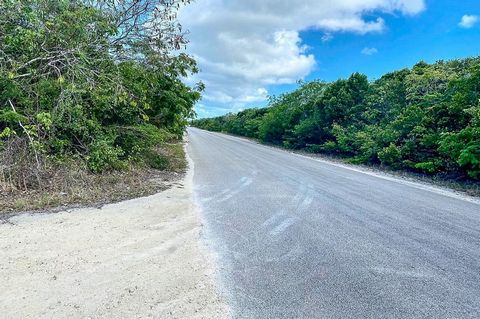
{"type": "Point", "coordinates": [97, 79]}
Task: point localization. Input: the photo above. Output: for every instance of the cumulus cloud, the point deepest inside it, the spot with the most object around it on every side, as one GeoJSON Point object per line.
{"type": "Point", "coordinates": [244, 46]}
{"type": "Point", "coordinates": [468, 21]}
{"type": "Point", "coordinates": [369, 51]}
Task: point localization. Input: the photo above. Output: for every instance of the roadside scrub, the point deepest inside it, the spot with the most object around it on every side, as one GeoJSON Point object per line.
{"type": "Point", "coordinates": [423, 120]}
{"type": "Point", "coordinates": [92, 103]}
{"type": "Point", "coordinates": [70, 182]}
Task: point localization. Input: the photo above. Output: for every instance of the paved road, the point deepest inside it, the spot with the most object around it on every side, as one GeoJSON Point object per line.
{"type": "Point", "coordinates": [298, 238]}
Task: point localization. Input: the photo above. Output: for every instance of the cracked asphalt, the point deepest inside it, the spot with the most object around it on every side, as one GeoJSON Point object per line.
{"type": "Point", "coordinates": [300, 238]}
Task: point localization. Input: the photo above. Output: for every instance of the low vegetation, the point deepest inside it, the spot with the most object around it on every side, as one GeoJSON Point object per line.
{"type": "Point", "coordinates": [91, 94]}
{"type": "Point", "coordinates": [425, 119]}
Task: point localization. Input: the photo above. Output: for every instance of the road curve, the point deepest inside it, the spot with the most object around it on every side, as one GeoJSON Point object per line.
{"type": "Point", "coordinates": [299, 238]}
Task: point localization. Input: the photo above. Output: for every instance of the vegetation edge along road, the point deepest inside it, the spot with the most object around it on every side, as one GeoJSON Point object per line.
{"type": "Point", "coordinates": [92, 100]}
{"type": "Point", "coordinates": [424, 121]}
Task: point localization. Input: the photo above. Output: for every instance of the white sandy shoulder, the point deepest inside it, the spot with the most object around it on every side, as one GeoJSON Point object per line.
{"type": "Point", "coordinates": [141, 258]}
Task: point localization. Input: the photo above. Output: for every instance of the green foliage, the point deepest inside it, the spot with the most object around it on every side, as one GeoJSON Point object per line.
{"type": "Point", "coordinates": [78, 79]}
{"type": "Point", "coordinates": [10, 117]}
{"type": "Point", "coordinates": [470, 159]}
{"type": "Point", "coordinates": [45, 119]}
{"type": "Point", "coordinates": [390, 155]}
{"type": "Point", "coordinates": [426, 119]}
{"type": "Point", "coordinates": [136, 140]}
{"type": "Point", "coordinates": [157, 161]}
{"type": "Point", "coordinates": [429, 167]}
{"type": "Point", "coordinates": [103, 156]}
{"type": "Point", "coordinates": [6, 133]}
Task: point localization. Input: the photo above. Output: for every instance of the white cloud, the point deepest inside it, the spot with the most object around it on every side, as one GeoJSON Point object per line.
{"type": "Point", "coordinates": [243, 46]}
{"type": "Point", "coordinates": [468, 21]}
{"type": "Point", "coordinates": [369, 51]}
{"type": "Point", "coordinates": [327, 37]}
{"type": "Point", "coordinates": [355, 24]}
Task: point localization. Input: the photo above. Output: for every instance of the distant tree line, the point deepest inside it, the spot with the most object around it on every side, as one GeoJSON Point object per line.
{"type": "Point", "coordinates": [96, 80]}
{"type": "Point", "coordinates": [425, 119]}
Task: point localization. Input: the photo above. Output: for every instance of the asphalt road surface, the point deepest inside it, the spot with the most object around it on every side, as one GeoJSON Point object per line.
{"type": "Point", "coordinates": [300, 238]}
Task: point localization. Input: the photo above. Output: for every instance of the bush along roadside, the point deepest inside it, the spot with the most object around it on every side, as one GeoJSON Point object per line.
{"type": "Point", "coordinates": [91, 95]}
{"type": "Point", "coordinates": [425, 120]}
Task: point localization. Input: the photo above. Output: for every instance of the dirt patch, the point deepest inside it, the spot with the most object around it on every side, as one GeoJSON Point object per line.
{"type": "Point", "coordinates": [136, 259]}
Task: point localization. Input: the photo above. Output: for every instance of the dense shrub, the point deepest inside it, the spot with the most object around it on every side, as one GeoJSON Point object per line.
{"type": "Point", "coordinates": [96, 80]}
{"type": "Point", "coordinates": [425, 119]}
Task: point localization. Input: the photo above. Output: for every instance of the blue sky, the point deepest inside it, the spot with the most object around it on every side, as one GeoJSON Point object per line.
{"type": "Point", "coordinates": [251, 55]}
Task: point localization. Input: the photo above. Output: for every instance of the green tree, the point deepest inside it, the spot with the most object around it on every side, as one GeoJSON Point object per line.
{"type": "Point", "coordinates": [425, 119]}
{"type": "Point", "coordinates": [92, 78]}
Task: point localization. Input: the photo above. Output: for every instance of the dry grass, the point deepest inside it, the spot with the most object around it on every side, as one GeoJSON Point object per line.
{"type": "Point", "coordinates": [24, 186]}
{"type": "Point", "coordinates": [176, 155]}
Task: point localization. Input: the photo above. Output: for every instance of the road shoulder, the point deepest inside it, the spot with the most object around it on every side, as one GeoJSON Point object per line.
{"type": "Point", "coordinates": [139, 258]}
